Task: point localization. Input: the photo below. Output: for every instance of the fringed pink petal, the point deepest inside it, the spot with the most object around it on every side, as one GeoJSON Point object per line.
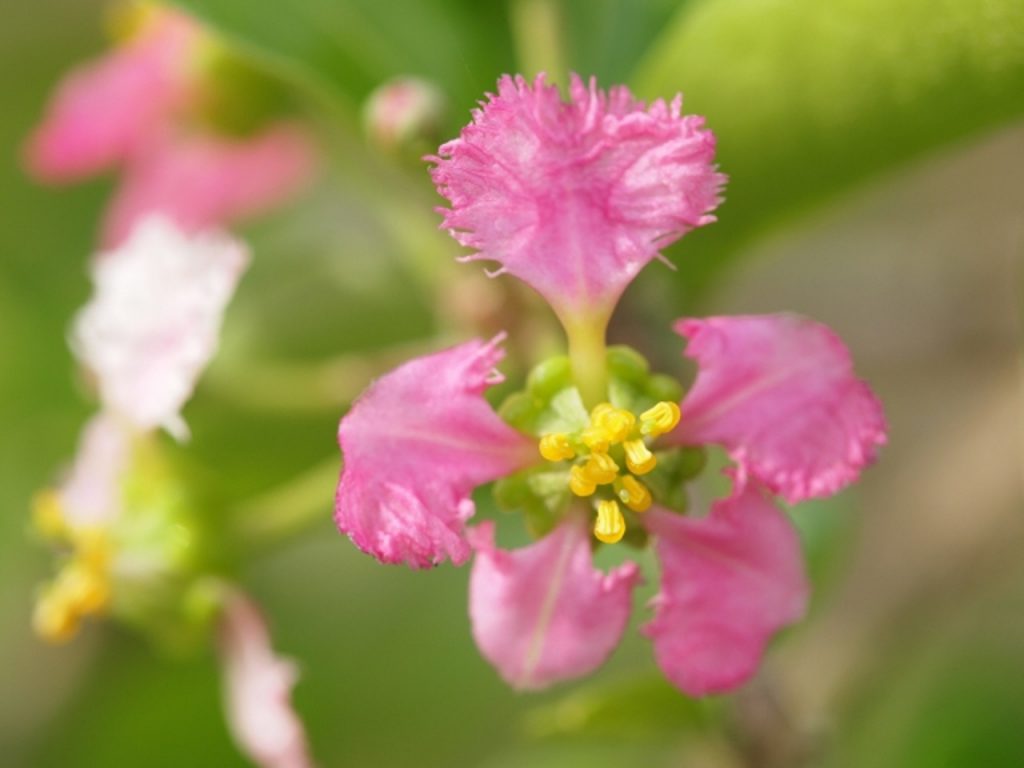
{"type": "Point", "coordinates": [257, 690]}
{"type": "Point", "coordinates": [543, 613]}
{"type": "Point", "coordinates": [779, 393]}
{"type": "Point", "coordinates": [415, 445]}
{"type": "Point", "coordinates": [154, 319]}
{"type": "Point", "coordinates": [728, 583]}
{"type": "Point", "coordinates": [576, 197]}
{"type": "Point", "coordinates": [103, 110]}
{"type": "Point", "coordinates": [201, 181]}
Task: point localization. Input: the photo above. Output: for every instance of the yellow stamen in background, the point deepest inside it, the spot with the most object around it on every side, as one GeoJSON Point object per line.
{"type": "Point", "coordinates": [610, 525]}
{"type": "Point", "coordinates": [638, 458]}
{"type": "Point", "coordinates": [53, 619]}
{"type": "Point", "coordinates": [579, 483]}
{"type": "Point", "coordinates": [600, 468]}
{"type": "Point", "coordinates": [556, 447]}
{"type": "Point", "coordinates": [659, 419]}
{"type": "Point", "coordinates": [633, 493]}
{"type": "Point", "coordinates": [48, 515]}
{"type": "Point", "coordinates": [82, 588]}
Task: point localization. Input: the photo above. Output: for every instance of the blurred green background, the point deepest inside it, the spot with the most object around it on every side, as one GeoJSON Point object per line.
{"type": "Point", "coordinates": [875, 150]}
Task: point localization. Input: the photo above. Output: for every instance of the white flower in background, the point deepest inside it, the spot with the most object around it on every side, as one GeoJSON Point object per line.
{"type": "Point", "coordinates": [153, 322]}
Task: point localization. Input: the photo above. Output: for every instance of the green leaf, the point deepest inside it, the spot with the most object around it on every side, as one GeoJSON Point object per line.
{"type": "Point", "coordinates": [810, 98]}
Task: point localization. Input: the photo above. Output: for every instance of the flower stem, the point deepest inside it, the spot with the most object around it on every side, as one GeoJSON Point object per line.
{"type": "Point", "coordinates": [288, 509]}
{"type": "Point", "coordinates": [538, 31]}
{"type": "Point", "coordinates": [587, 357]}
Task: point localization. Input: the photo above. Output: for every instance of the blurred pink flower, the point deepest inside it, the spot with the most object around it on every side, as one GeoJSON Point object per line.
{"type": "Point", "coordinates": [574, 199]}
{"type": "Point", "coordinates": [138, 109]}
{"type": "Point", "coordinates": [201, 181]}
{"type": "Point", "coordinates": [104, 110]}
{"type": "Point", "coordinates": [257, 688]}
{"type": "Point", "coordinates": [153, 322]}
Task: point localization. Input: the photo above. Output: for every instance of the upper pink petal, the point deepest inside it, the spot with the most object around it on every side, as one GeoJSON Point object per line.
{"type": "Point", "coordinates": [728, 582]}
{"type": "Point", "coordinates": [415, 445]}
{"type": "Point", "coordinates": [202, 181]}
{"type": "Point", "coordinates": [257, 687]}
{"type": "Point", "coordinates": [154, 319]}
{"type": "Point", "coordinates": [544, 613]}
{"type": "Point", "coordinates": [576, 197]}
{"type": "Point", "coordinates": [779, 392]}
{"type": "Point", "coordinates": [103, 110]}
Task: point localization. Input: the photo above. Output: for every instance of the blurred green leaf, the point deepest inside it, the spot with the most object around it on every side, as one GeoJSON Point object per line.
{"type": "Point", "coordinates": [809, 98]}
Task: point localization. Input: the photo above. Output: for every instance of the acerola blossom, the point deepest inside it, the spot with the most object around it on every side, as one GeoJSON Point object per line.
{"type": "Point", "coordinates": [544, 613]}
{"type": "Point", "coordinates": [778, 391]}
{"type": "Point", "coordinates": [257, 688]}
{"type": "Point", "coordinates": [415, 445]}
{"type": "Point", "coordinates": [576, 197]}
{"type": "Point", "coordinates": [104, 110]}
{"type": "Point", "coordinates": [201, 181]}
{"type": "Point", "coordinates": [153, 322]}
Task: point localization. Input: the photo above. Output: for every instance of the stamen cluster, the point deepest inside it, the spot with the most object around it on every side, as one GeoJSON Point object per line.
{"type": "Point", "coordinates": [613, 437]}
{"type": "Point", "coordinates": [82, 587]}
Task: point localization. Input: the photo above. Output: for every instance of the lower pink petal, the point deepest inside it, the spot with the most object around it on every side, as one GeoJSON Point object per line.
{"type": "Point", "coordinates": [779, 392]}
{"type": "Point", "coordinates": [543, 613]}
{"type": "Point", "coordinates": [204, 181]}
{"type": "Point", "coordinates": [415, 445]}
{"type": "Point", "coordinates": [729, 581]}
{"type": "Point", "coordinates": [257, 687]}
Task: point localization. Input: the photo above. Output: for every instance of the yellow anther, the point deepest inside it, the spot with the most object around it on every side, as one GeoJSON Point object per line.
{"type": "Point", "coordinates": [659, 419]}
{"type": "Point", "coordinates": [84, 588]}
{"type": "Point", "coordinates": [54, 619]}
{"type": "Point", "coordinates": [596, 439]}
{"type": "Point", "coordinates": [48, 515]}
{"type": "Point", "coordinates": [579, 483]}
{"type": "Point", "coordinates": [638, 458]}
{"type": "Point", "coordinates": [634, 494]}
{"type": "Point", "coordinates": [600, 468]}
{"type": "Point", "coordinates": [556, 447]}
{"type": "Point", "coordinates": [610, 526]}
{"type": "Point", "coordinates": [617, 422]}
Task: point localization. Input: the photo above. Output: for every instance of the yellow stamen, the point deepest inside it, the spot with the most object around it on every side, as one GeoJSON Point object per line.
{"type": "Point", "coordinates": [600, 468]}
{"type": "Point", "coordinates": [634, 494]}
{"type": "Point", "coordinates": [556, 447]}
{"type": "Point", "coordinates": [82, 588]}
{"type": "Point", "coordinates": [48, 515]}
{"type": "Point", "coordinates": [610, 525]}
{"type": "Point", "coordinates": [579, 483]}
{"type": "Point", "coordinates": [638, 458]}
{"type": "Point", "coordinates": [596, 439]}
{"type": "Point", "coordinates": [616, 422]}
{"type": "Point", "coordinates": [53, 618]}
{"type": "Point", "coordinates": [659, 419]}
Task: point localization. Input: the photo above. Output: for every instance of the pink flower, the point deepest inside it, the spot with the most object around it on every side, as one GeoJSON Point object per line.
{"type": "Point", "coordinates": [153, 322]}
{"type": "Point", "coordinates": [257, 687]}
{"type": "Point", "coordinates": [415, 445]}
{"type": "Point", "coordinates": [201, 181]}
{"type": "Point", "coordinates": [574, 199]}
{"type": "Point", "coordinates": [139, 109]}
{"type": "Point", "coordinates": [105, 109]}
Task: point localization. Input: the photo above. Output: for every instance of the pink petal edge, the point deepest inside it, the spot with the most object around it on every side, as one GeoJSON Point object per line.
{"type": "Point", "coordinates": [543, 613]}
{"type": "Point", "coordinates": [729, 581]}
{"type": "Point", "coordinates": [779, 393]}
{"type": "Point", "coordinates": [575, 198]}
{"type": "Point", "coordinates": [415, 445]}
{"type": "Point", "coordinates": [257, 690]}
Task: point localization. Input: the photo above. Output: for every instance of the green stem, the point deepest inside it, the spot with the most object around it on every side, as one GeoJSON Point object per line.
{"type": "Point", "coordinates": [538, 32]}
{"type": "Point", "coordinates": [588, 357]}
{"type": "Point", "coordinates": [288, 509]}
